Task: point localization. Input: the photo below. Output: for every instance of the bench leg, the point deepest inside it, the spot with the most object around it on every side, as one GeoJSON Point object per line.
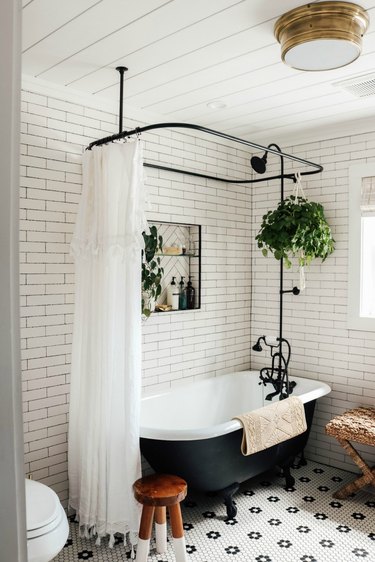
{"type": "Point", "coordinates": [354, 486]}
{"type": "Point", "coordinates": [368, 476]}
{"type": "Point", "coordinates": [178, 533]}
{"type": "Point", "coordinates": [161, 529]}
{"type": "Point", "coordinates": [145, 530]}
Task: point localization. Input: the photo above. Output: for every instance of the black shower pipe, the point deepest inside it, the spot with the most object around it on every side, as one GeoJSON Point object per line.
{"type": "Point", "coordinates": [281, 273]}
{"type": "Point", "coordinates": [121, 70]}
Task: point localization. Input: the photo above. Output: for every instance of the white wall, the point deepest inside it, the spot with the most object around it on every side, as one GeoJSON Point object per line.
{"type": "Point", "coordinates": [176, 346]}
{"type": "Point", "coordinates": [315, 322]}
{"type": "Point", "coordinates": [12, 485]}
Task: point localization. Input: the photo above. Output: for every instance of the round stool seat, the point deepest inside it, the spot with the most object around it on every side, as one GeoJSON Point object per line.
{"type": "Point", "coordinates": [160, 490]}
{"type": "Point", "coordinates": [156, 493]}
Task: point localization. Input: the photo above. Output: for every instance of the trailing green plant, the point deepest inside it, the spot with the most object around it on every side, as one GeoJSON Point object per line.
{"type": "Point", "coordinates": [296, 228]}
{"type": "Point", "coordinates": [152, 272]}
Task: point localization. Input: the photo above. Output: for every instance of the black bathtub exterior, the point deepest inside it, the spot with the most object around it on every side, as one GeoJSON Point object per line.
{"type": "Point", "coordinates": [216, 463]}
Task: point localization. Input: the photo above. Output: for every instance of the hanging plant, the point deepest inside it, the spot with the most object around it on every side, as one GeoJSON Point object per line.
{"type": "Point", "coordinates": [297, 228]}
{"type": "Point", "coordinates": [152, 272]}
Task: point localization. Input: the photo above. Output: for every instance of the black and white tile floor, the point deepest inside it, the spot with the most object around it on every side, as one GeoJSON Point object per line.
{"type": "Point", "coordinates": [273, 524]}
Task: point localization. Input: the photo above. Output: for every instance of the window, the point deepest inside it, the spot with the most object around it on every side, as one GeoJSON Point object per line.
{"type": "Point", "coordinates": [361, 306]}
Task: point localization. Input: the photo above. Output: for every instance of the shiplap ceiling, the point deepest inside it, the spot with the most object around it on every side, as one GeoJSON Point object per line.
{"type": "Point", "coordinates": [182, 54]}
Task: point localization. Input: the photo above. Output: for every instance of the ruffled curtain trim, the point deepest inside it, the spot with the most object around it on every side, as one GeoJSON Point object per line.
{"type": "Point", "coordinates": [100, 212]}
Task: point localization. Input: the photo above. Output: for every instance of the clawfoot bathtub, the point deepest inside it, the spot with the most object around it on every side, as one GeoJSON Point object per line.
{"type": "Point", "coordinates": [188, 431]}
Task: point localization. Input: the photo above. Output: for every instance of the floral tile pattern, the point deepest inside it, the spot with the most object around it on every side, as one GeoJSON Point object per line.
{"type": "Point", "coordinates": [273, 524]}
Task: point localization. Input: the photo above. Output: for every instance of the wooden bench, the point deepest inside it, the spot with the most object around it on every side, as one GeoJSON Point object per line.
{"type": "Point", "coordinates": [355, 425]}
{"type": "Point", "coordinates": [156, 493]}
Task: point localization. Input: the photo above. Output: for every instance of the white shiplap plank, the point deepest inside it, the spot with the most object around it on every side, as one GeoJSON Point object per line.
{"type": "Point", "coordinates": [276, 79]}
{"type": "Point", "coordinates": [291, 111]}
{"type": "Point", "coordinates": [40, 18]}
{"type": "Point", "coordinates": [152, 27]}
{"type": "Point", "coordinates": [228, 31]}
{"type": "Point", "coordinates": [306, 131]}
{"type": "Point", "coordinates": [273, 91]}
{"type": "Point", "coordinates": [187, 89]}
{"type": "Point", "coordinates": [237, 91]}
{"type": "Point", "coordinates": [231, 53]}
{"type": "Point", "coordinates": [332, 112]}
{"type": "Point", "coordinates": [328, 128]}
{"type": "Point", "coordinates": [297, 89]}
{"type": "Point", "coordinates": [309, 98]}
{"type": "Point", "coordinates": [105, 18]}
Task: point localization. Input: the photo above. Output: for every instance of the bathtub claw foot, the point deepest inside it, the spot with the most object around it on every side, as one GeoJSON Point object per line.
{"type": "Point", "coordinates": [302, 461]}
{"type": "Point", "coordinates": [228, 494]}
{"type": "Point", "coordinates": [231, 509]}
{"type": "Point", "coordinates": [289, 479]}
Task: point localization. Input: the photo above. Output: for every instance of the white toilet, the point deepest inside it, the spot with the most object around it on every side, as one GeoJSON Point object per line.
{"type": "Point", "coordinates": [46, 523]}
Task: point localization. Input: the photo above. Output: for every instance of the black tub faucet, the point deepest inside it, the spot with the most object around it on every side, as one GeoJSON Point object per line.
{"type": "Point", "coordinates": [277, 374]}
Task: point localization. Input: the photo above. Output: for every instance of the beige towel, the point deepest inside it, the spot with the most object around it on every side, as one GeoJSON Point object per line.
{"type": "Point", "coordinates": [267, 426]}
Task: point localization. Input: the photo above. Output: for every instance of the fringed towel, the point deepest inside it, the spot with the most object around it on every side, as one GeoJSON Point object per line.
{"type": "Point", "coordinates": [267, 426]}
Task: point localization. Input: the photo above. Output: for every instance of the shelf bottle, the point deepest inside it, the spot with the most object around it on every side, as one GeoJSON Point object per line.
{"type": "Point", "coordinates": [183, 296]}
{"type": "Point", "coordinates": [190, 294]}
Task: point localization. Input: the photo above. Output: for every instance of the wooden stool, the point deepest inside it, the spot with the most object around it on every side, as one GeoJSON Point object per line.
{"type": "Point", "coordinates": [156, 493]}
{"type": "Point", "coordinates": [355, 425]}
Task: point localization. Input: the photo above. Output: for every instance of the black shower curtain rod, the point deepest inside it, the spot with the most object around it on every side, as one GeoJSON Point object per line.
{"type": "Point", "coordinates": [138, 130]}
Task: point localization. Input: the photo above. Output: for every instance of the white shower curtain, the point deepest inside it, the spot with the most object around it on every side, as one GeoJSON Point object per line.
{"type": "Point", "coordinates": [104, 458]}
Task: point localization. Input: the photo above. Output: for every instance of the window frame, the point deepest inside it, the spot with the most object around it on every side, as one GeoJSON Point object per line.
{"type": "Point", "coordinates": [354, 320]}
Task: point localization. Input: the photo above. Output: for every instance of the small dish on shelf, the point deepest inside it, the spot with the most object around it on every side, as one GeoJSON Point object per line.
{"type": "Point", "coordinates": [172, 251]}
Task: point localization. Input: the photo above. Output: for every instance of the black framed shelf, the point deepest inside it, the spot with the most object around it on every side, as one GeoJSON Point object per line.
{"type": "Point", "coordinates": [186, 263]}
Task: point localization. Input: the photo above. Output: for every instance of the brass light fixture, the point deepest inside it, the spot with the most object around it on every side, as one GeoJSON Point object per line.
{"type": "Point", "coordinates": [322, 35]}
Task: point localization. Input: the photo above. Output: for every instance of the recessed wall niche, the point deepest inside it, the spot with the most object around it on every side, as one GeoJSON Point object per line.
{"type": "Point", "coordinates": [180, 259]}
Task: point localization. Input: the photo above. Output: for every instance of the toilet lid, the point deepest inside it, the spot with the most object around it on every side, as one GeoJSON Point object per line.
{"type": "Point", "coordinates": [42, 505]}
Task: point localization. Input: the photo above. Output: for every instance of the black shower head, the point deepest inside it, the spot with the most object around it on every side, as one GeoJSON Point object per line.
{"type": "Point", "coordinates": [259, 164]}
{"type": "Point", "coordinates": [257, 346]}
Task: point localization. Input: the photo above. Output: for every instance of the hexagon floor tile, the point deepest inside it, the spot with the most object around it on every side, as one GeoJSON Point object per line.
{"type": "Point", "coordinates": [273, 524]}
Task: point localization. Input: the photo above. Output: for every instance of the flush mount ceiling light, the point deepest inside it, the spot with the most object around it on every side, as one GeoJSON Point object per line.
{"type": "Point", "coordinates": [321, 36]}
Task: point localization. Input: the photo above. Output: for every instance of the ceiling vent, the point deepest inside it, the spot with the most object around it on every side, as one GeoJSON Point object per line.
{"type": "Point", "coordinates": [360, 86]}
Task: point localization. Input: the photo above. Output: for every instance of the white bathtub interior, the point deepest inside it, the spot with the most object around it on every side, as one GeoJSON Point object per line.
{"type": "Point", "coordinates": [205, 408]}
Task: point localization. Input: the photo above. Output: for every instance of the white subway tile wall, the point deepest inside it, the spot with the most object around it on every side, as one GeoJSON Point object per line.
{"type": "Point", "coordinates": [177, 347]}
{"type": "Point", "coordinates": [315, 322]}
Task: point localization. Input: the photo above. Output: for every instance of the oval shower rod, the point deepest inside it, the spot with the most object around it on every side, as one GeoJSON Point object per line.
{"type": "Point", "coordinates": [138, 130]}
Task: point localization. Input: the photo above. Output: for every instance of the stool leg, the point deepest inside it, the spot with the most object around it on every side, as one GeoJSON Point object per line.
{"type": "Point", "coordinates": [177, 533]}
{"type": "Point", "coordinates": [161, 529]}
{"type": "Point", "coordinates": [145, 529]}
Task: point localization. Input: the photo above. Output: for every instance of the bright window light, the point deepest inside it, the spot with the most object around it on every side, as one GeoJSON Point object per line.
{"type": "Point", "coordinates": [361, 278]}
{"type": "Point", "coordinates": [367, 300]}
